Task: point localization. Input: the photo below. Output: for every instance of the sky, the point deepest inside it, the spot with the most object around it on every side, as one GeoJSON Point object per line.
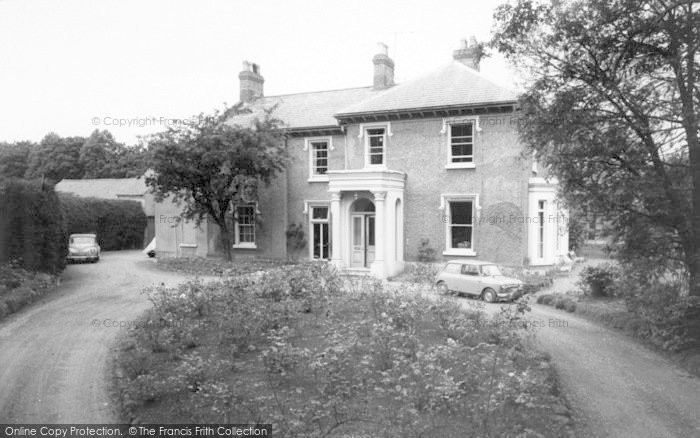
{"type": "Point", "coordinates": [70, 67]}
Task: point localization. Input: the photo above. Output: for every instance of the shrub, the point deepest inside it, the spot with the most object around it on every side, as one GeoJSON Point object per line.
{"type": "Point", "coordinates": [598, 280]}
{"type": "Point", "coordinates": [569, 305]}
{"type": "Point", "coordinates": [119, 224]}
{"type": "Point", "coordinates": [32, 232]}
{"type": "Point", "coordinates": [668, 317]}
{"type": "Point", "coordinates": [296, 239]}
{"type": "Point", "coordinates": [545, 299]}
{"type": "Point", "coordinates": [420, 273]}
{"type": "Point", "coordinates": [425, 252]}
{"type": "Point", "coordinates": [559, 303]}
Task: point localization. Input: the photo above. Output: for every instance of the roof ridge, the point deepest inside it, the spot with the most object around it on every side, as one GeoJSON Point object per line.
{"type": "Point", "coordinates": [314, 92]}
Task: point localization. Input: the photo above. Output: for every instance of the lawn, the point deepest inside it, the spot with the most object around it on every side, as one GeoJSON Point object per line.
{"type": "Point", "coordinates": [317, 354]}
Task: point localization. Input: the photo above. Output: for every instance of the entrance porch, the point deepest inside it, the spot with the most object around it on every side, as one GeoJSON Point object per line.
{"type": "Point", "coordinates": [367, 220]}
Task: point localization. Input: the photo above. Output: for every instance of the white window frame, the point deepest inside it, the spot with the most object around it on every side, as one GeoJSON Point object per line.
{"type": "Point", "coordinates": [237, 241]}
{"type": "Point", "coordinates": [541, 229]}
{"type": "Point", "coordinates": [312, 221]}
{"type": "Point", "coordinates": [447, 131]}
{"type": "Point", "coordinates": [308, 145]}
{"type": "Point", "coordinates": [387, 133]}
{"type": "Point", "coordinates": [445, 200]}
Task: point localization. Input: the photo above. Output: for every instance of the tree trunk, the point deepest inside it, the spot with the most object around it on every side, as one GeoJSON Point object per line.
{"type": "Point", "coordinates": [226, 241]}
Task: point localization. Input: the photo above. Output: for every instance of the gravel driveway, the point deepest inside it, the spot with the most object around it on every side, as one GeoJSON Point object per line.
{"type": "Point", "coordinates": [53, 358]}
{"type": "Point", "coordinates": [53, 354]}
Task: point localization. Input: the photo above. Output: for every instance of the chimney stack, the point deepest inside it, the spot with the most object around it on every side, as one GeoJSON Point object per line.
{"type": "Point", "coordinates": [251, 82]}
{"type": "Point", "coordinates": [383, 68]}
{"type": "Point", "coordinates": [468, 53]}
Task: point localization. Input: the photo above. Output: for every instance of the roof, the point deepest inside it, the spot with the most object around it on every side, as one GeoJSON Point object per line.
{"type": "Point", "coordinates": [452, 85]}
{"type": "Point", "coordinates": [305, 110]}
{"type": "Point", "coordinates": [106, 188]}
{"type": "Point", "coordinates": [470, 262]}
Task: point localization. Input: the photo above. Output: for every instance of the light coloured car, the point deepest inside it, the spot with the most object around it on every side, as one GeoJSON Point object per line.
{"type": "Point", "coordinates": [478, 279]}
{"type": "Point", "coordinates": [83, 247]}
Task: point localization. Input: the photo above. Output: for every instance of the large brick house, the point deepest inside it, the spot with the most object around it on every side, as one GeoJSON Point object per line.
{"type": "Point", "coordinates": [378, 169]}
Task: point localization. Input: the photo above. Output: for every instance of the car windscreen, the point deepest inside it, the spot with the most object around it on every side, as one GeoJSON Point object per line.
{"type": "Point", "coordinates": [82, 240]}
{"type": "Point", "coordinates": [490, 270]}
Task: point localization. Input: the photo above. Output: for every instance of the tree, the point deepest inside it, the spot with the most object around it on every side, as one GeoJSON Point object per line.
{"type": "Point", "coordinates": [14, 158]}
{"type": "Point", "coordinates": [56, 158]}
{"type": "Point", "coordinates": [132, 161]}
{"type": "Point", "coordinates": [211, 166]}
{"type": "Point", "coordinates": [611, 108]}
{"type": "Point", "coordinates": [99, 155]}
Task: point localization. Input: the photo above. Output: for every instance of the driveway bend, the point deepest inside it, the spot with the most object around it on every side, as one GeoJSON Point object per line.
{"type": "Point", "coordinates": [617, 387]}
{"type": "Point", "coordinates": [53, 354]}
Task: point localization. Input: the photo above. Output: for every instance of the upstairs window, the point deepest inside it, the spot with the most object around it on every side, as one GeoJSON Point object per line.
{"type": "Point", "coordinates": [319, 157]}
{"type": "Point", "coordinates": [376, 142]}
{"type": "Point", "coordinates": [461, 143]}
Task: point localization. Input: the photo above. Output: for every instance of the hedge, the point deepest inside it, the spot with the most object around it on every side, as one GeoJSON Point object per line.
{"type": "Point", "coordinates": [118, 224]}
{"type": "Point", "coordinates": [32, 230]}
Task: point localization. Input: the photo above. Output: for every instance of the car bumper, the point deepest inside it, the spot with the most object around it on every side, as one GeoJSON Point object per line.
{"type": "Point", "coordinates": [75, 258]}
{"type": "Point", "coordinates": [509, 295]}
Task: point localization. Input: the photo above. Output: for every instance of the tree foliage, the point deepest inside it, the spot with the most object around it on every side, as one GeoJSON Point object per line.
{"type": "Point", "coordinates": [56, 158]}
{"type": "Point", "coordinates": [14, 159]}
{"type": "Point", "coordinates": [611, 107]}
{"type": "Point", "coordinates": [211, 166]}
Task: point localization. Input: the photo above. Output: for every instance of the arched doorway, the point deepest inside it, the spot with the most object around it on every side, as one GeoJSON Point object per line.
{"type": "Point", "coordinates": [362, 236]}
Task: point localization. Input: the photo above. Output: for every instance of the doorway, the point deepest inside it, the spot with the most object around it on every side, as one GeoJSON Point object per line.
{"type": "Point", "coordinates": [362, 232]}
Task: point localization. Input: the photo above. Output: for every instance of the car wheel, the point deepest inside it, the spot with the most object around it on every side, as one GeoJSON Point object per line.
{"type": "Point", "coordinates": [489, 295]}
{"type": "Point", "coordinates": [442, 288]}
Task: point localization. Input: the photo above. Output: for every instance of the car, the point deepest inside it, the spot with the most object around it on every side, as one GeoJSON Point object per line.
{"type": "Point", "coordinates": [83, 247]}
{"type": "Point", "coordinates": [478, 279]}
{"type": "Point", "coordinates": [150, 249]}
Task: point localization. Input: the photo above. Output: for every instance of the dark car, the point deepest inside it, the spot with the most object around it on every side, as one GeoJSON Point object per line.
{"type": "Point", "coordinates": [83, 247]}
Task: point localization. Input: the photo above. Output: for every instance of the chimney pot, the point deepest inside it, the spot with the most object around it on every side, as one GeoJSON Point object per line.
{"type": "Point", "coordinates": [468, 53]}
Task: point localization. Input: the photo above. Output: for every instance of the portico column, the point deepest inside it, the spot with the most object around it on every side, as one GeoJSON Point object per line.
{"type": "Point", "coordinates": [378, 267]}
{"type": "Point", "coordinates": [336, 249]}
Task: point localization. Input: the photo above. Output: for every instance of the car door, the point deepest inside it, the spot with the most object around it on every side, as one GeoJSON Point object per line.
{"type": "Point", "coordinates": [471, 279]}
{"type": "Point", "coordinates": [452, 276]}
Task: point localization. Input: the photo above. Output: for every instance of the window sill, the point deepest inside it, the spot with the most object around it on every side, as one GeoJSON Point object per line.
{"type": "Point", "coordinates": [188, 245]}
{"type": "Point", "coordinates": [459, 252]}
{"type": "Point", "coordinates": [460, 166]}
{"type": "Point", "coordinates": [245, 246]}
{"type": "Point", "coordinates": [318, 178]}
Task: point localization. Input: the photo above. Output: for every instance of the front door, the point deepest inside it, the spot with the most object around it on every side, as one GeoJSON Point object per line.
{"type": "Point", "coordinates": [362, 235]}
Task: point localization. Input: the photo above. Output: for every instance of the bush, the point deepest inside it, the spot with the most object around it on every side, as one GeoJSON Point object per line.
{"type": "Point", "coordinates": [569, 305]}
{"type": "Point", "coordinates": [19, 287]}
{"type": "Point", "coordinates": [119, 224]}
{"type": "Point", "coordinates": [425, 252]}
{"type": "Point", "coordinates": [545, 299]}
{"type": "Point", "coordinates": [669, 318]}
{"type": "Point", "coordinates": [420, 273]}
{"type": "Point", "coordinates": [598, 280]}
{"type": "Point", "coordinates": [32, 231]}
